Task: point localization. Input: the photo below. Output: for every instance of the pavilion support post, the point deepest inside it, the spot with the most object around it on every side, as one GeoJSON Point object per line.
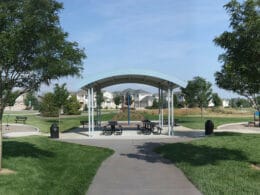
{"type": "Point", "coordinates": [92, 111]}
{"type": "Point", "coordinates": [159, 106]}
{"type": "Point", "coordinates": [89, 112]}
{"type": "Point", "coordinates": [169, 112]}
{"type": "Point", "coordinates": [172, 114]}
{"type": "Point", "coordinates": [162, 108]}
{"type": "Point", "coordinates": [98, 107]}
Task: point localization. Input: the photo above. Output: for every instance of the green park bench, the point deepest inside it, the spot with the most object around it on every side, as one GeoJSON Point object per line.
{"type": "Point", "coordinates": [20, 119]}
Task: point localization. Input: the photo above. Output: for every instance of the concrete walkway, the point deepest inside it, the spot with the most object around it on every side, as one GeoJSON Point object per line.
{"type": "Point", "coordinates": [238, 128]}
{"type": "Point", "coordinates": [19, 130]}
{"type": "Point", "coordinates": [134, 169]}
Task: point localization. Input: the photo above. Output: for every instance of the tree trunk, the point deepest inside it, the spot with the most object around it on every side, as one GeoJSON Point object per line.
{"type": "Point", "coordinates": [201, 115]}
{"type": "Point", "coordinates": [1, 136]}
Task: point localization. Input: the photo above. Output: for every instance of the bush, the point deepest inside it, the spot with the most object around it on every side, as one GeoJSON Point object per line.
{"type": "Point", "coordinates": [48, 107]}
{"type": "Point", "coordinates": [72, 106]}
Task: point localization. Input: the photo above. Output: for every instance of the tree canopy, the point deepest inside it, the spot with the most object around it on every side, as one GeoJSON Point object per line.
{"type": "Point", "coordinates": [72, 106]}
{"type": "Point", "coordinates": [216, 100]}
{"type": "Point", "coordinates": [34, 47]}
{"type": "Point", "coordinates": [241, 58]}
{"type": "Point", "coordinates": [61, 95]}
{"type": "Point", "coordinates": [198, 92]}
{"type": "Point", "coordinates": [117, 100]}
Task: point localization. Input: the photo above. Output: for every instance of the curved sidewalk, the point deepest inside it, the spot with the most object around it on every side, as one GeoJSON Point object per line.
{"type": "Point", "coordinates": [134, 169]}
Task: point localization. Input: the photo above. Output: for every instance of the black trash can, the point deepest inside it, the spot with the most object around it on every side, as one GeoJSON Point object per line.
{"type": "Point", "coordinates": [209, 127]}
{"type": "Point", "coordinates": [54, 129]}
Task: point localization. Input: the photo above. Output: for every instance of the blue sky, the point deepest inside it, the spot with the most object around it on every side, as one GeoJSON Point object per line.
{"type": "Point", "coordinates": [170, 36]}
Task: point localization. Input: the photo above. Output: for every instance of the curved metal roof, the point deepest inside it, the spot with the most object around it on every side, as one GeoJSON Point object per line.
{"type": "Point", "coordinates": [151, 78]}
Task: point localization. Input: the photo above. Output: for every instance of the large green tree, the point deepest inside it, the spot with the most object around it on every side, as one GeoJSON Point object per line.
{"type": "Point", "coordinates": [117, 100]}
{"type": "Point", "coordinates": [72, 106]}
{"type": "Point", "coordinates": [48, 106]}
{"type": "Point", "coordinates": [198, 92]}
{"type": "Point", "coordinates": [34, 48]}
{"type": "Point", "coordinates": [241, 58]}
{"type": "Point", "coordinates": [61, 95]}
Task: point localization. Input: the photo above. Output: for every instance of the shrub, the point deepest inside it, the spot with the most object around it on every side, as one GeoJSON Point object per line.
{"type": "Point", "coordinates": [48, 108]}
{"type": "Point", "coordinates": [72, 106]}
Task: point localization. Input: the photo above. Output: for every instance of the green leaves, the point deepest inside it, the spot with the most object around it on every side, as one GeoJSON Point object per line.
{"type": "Point", "coordinates": [241, 61]}
{"type": "Point", "coordinates": [198, 92]}
{"type": "Point", "coordinates": [34, 47]}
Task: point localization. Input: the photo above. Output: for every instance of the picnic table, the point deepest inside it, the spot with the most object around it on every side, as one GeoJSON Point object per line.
{"type": "Point", "coordinates": [148, 127]}
{"type": "Point", "coordinates": [113, 128]}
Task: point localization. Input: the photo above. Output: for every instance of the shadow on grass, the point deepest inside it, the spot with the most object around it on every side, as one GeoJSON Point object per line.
{"type": "Point", "coordinates": [23, 149]}
{"type": "Point", "coordinates": [186, 152]}
{"type": "Point", "coordinates": [74, 129]}
{"type": "Point", "coordinates": [199, 155]}
{"type": "Point", "coordinates": [52, 120]}
{"type": "Point", "coordinates": [227, 134]}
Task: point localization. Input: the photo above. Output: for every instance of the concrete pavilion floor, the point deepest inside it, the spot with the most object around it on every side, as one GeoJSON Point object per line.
{"type": "Point", "coordinates": [130, 133]}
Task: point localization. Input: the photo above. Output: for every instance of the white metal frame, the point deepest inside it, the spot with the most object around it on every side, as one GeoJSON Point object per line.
{"type": "Point", "coordinates": [170, 95]}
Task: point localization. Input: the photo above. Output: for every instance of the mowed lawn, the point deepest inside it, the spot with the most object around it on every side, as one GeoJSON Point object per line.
{"type": "Point", "coordinates": [195, 122]}
{"type": "Point", "coordinates": [219, 164]}
{"type": "Point", "coordinates": [70, 122]}
{"type": "Point", "coordinates": [44, 166]}
{"type": "Point", "coordinates": [43, 123]}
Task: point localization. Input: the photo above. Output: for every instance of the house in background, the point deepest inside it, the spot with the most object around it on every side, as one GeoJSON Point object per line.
{"type": "Point", "coordinates": [82, 98]}
{"type": "Point", "coordinates": [108, 100]}
{"type": "Point", "coordinates": [18, 105]}
{"type": "Point", "coordinates": [147, 101]}
{"type": "Point", "coordinates": [225, 103]}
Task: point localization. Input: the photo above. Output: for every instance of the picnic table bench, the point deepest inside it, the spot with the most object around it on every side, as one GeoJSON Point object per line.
{"type": "Point", "coordinates": [148, 127]}
{"type": "Point", "coordinates": [20, 119]}
{"type": "Point", "coordinates": [114, 128]}
{"type": "Point", "coordinates": [84, 123]}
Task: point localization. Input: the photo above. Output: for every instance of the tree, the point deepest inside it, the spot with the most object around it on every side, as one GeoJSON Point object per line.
{"type": "Point", "coordinates": [175, 100]}
{"type": "Point", "coordinates": [241, 58]}
{"type": "Point", "coordinates": [155, 103]}
{"type": "Point", "coordinates": [100, 98]}
{"type": "Point", "coordinates": [72, 106]}
{"type": "Point", "coordinates": [216, 100]}
{"type": "Point", "coordinates": [198, 92]}
{"type": "Point", "coordinates": [117, 100]}
{"type": "Point", "coordinates": [239, 103]}
{"type": "Point", "coordinates": [34, 49]}
{"type": "Point", "coordinates": [31, 101]}
{"type": "Point", "coordinates": [61, 95]}
{"type": "Point", "coordinates": [48, 107]}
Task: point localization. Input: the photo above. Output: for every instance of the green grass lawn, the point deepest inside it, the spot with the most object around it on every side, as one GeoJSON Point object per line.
{"type": "Point", "coordinates": [70, 122]}
{"type": "Point", "coordinates": [44, 123]}
{"type": "Point", "coordinates": [194, 122]}
{"type": "Point", "coordinates": [44, 166]}
{"type": "Point", "coordinates": [219, 164]}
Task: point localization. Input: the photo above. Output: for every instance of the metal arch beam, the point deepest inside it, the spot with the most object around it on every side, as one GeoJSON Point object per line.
{"type": "Point", "coordinates": [132, 76]}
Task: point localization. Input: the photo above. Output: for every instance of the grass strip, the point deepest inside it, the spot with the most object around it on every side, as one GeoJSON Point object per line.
{"type": "Point", "coordinates": [219, 164]}
{"type": "Point", "coordinates": [44, 166]}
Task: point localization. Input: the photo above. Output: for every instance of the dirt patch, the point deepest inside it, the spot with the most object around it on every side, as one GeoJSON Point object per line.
{"type": "Point", "coordinates": [255, 166]}
{"type": "Point", "coordinates": [6, 172]}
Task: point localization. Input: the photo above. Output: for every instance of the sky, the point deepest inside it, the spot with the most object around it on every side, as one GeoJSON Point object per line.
{"type": "Point", "coordinates": [169, 36]}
